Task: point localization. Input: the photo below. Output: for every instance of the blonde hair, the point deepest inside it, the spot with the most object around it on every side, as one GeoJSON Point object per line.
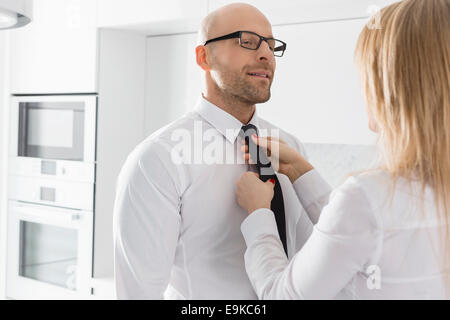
{"type": "Point", "coordinates": [404, 66]}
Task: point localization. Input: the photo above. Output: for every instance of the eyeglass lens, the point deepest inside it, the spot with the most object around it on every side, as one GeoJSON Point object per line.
{"type": "Point", "coordinates": [251, 41]}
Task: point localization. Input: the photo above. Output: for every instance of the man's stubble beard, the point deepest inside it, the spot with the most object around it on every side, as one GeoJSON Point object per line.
{"type": "Point", "coordinates": [235, 88]}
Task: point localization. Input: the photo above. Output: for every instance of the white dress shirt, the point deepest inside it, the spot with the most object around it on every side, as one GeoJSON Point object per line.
{"type": "Point", "coordinates": [370, 242]}
{"type": "Point", "coordinates": [177, 226]}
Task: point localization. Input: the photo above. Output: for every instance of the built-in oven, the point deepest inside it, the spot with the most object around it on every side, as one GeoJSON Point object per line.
{"type": "Point", "coordinates": [49, 252]}
{"type": "Point", "coordinates": [53, 136]}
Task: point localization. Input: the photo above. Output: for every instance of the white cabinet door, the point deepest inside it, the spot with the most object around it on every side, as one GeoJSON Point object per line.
{"type": "Point", "coordinates": [3, 156]}
{"type": "Point", "coordinates": [316, 93]}
{"type": "Point", "coordinates": [300, 11]}
{"type": "Point", "coordinates": [173, 83]}
{"type": "Point", "coordinates": [151, 16]}
{"type": "Point", "coordinates": [57, 51]}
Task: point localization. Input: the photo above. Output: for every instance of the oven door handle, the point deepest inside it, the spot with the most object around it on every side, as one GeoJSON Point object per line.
{"type": "Point", "coordinates": [46, 214]}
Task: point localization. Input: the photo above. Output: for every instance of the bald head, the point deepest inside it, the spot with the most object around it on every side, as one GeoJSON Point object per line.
{"type": "Point", "coordinates": [231, 18]}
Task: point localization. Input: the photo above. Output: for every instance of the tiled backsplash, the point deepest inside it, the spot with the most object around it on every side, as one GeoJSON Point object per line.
{"type": "Point", "coordinates": [336, 161]}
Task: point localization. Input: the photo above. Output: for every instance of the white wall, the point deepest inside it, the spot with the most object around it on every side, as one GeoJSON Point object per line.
{"type": "Point", "coordinates": [173, 79]}
{"type": "Point", "coordinates": [316, 94]}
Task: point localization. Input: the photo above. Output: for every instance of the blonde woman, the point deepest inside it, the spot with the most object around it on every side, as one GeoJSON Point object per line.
{"type": "Point", "coordinates": [383, 234]}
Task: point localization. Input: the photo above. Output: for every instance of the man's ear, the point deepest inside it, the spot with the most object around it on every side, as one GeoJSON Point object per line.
{"type": "Point", "coordinates": [200, 55]}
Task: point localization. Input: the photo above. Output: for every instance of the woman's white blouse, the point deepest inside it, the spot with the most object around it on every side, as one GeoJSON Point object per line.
{"type": "Point", "coordinates": [371, 240]}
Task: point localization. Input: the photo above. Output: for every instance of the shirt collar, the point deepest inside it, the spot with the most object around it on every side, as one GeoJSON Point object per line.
{"type": "Point", "coordinates": [224, 122]}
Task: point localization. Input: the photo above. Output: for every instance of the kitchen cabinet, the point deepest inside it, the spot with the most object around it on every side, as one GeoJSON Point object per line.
{"type": "Point", "coordinates": [302, 11]}
{"type": "Point", "coordinates": [3, 151]}
{"type": "Point", "coordinates": [57, 51]}
{"type": "Point", "coordinates": [152, 17]}
{"type": "Point", "coordinates": [103, 289]}
{"type": "Point", "coordinates": [120, 128]}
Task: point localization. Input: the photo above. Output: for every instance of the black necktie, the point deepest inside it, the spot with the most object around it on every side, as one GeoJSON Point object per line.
{"type": "Point", "coordinates": [266, 172]}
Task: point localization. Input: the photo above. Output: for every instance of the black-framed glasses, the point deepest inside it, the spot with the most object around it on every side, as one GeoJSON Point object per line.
{"type": "Point", "coordinates": [252, 41]}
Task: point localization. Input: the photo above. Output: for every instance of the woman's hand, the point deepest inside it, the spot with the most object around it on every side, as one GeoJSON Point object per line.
{"type": "Point", "coordinates": [284, 159]}
{"type": "Point", "coordinates": [254, 194]}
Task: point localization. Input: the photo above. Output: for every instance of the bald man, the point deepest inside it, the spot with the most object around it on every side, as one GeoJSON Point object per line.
{"type": "Point", "coordinates": [176, 219]}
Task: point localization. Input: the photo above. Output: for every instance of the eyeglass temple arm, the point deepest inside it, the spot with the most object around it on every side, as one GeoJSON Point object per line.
{"type": "Point", "coordinates": [228, 36]}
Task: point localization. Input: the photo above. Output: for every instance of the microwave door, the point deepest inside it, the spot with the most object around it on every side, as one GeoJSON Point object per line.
{"type": "Point", "coordinates": [51, 130]}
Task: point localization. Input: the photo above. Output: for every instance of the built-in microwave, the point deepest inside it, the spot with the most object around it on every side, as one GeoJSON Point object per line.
{"type": "Point", "coordinates": [49, 252]}
{"type": "Point", "coordinates": [53, 136]}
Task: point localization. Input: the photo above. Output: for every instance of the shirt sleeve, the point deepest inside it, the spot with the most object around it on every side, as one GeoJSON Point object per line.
{"type": "Point", "coordinates": [304, 225]}
{"type": "Point", "coordinates": [313, 192]}
{"type": "Point", "coordinates": [146, 225]}
{"type": "Point", "coordinates": [342, 242]}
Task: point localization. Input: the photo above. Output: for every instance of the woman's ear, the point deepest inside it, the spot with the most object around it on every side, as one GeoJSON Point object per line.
{"type": "Point", "coordinates": [200, 55]}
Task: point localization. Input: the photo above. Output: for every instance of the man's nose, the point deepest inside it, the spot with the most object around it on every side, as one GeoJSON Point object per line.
{"type": "Point", "coordinates": [264, 52]}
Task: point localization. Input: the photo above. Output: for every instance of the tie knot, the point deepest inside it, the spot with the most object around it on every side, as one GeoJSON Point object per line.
{"type": "Point", "coordinates": [248, 130]}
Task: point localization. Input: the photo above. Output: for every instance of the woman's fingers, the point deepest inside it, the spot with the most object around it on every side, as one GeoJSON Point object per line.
{"type": "Point", "coordinates": [244, 148]}
{"type": "Point", "coordinates": [262, 141]}
{"type": "Point", "coordinates": [246, 155]}
{"type": "Point", "coordinates": [270, 144]}
{"type": "Point", "coordinates": [267, 143]}
{"type": "Point", "coordinates": [252, 193]}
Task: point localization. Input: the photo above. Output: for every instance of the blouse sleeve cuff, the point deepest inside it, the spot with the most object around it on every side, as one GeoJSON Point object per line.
{"type": "Point", "coordinates": [259, 223]}
{"type": "Point", "coordinates": [310, 187]}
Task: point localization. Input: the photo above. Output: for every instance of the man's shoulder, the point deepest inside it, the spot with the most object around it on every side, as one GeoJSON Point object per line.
{"type": "Point", "coordinates": [158, 145]}
{"type": "Point", "coordinates": [152, 157]}
{"type": "Point", "coordinates": [186, 122]}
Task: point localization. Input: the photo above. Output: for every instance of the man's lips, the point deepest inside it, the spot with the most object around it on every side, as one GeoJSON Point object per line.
{"type": "Point", "coordinates": [263, 74]}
